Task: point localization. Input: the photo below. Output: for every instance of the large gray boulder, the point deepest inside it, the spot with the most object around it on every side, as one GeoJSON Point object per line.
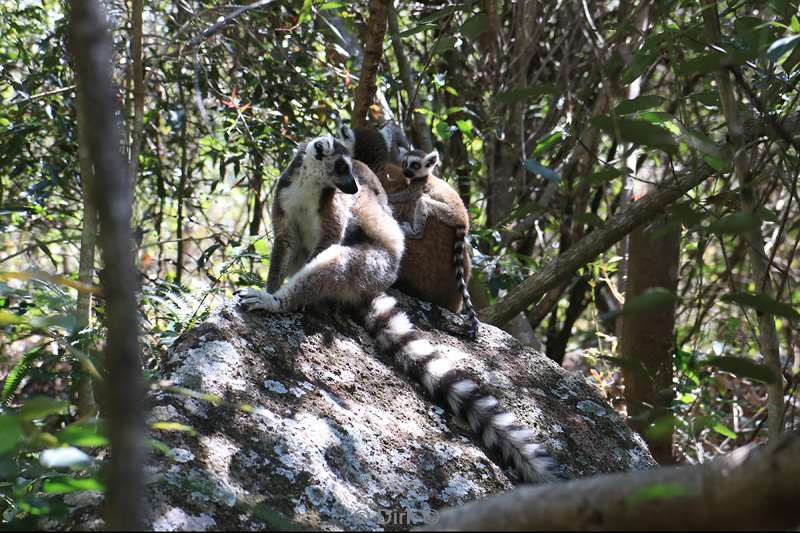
{"type": "Point", "coordinates": [305, 425]}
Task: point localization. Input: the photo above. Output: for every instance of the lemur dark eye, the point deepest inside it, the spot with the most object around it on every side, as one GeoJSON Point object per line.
{"type": "Point", "coordinates": [415, 165]}
{"type": "Point", "coordinates": [319, 148]}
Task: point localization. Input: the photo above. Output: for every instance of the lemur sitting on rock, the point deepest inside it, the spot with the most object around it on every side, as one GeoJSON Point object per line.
{"type": "Point", "coordinates": [337, 239]}
{"type": "Point", "coordinates": [435, 266]}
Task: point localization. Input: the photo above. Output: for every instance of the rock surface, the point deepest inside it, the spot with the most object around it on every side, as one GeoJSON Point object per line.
{"type": "Point", "coordinates": [304, 425]}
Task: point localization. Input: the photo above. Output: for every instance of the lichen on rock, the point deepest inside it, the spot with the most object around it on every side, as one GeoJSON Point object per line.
{"type": "Point", "coordinates": [314, 429]}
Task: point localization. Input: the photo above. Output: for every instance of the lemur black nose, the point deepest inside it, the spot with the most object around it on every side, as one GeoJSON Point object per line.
{"type": "Point", "coordinates": [408, 173]}
{"type": "Point", "coordinates": [347, 186]}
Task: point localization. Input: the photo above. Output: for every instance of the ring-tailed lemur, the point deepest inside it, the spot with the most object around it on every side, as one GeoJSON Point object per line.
{"type": "Point", "coordinates": [317, 204]}
{"type": "Point", "coordinates": [436, 266]}
{"type": "Point", "coordinates": [334, 232]}
{"type": "Point", "coordinates": [437, 199]}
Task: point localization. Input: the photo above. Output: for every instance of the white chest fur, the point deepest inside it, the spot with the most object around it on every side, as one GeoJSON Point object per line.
{"type": "Point", "coordinates": [300, 202]}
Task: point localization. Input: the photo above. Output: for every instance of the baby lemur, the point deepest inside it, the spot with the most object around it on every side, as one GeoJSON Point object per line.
{"type": "Point", "coordinates": [435, 266]}
{"type": "Point", "coordinates": [332, 213]}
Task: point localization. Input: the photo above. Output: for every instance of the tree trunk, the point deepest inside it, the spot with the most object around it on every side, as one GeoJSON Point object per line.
{"type": "Point", "coordinates": [123, 394]}
{"type": "Point", "coordinates": [138, 89]}
{"type": "Point", "coordinates": [751, 488]}
{"type": "Point", "coordinates": [181, 191]}
{"type": "Point", "coordinates": [258, 180]}
{"type": "Point", "coordinates": [373, 51]}
{"type": "Point", "coordinates": [86, 402]}
{"type": "Point", "coordinates": [767, 334]}
{"type": "Point", "coordinates": [649, 337]}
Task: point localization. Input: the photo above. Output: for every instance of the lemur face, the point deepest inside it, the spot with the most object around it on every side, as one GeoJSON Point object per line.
{"type": "Point", "coordinates": [417, 165]}
{"type": "Point", "coordinates": [337, 169]}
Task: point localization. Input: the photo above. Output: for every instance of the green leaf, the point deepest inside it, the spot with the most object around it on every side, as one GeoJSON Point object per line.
{"type": "Point", "coordinates": [588, 218]}
{"type": "Point", "coordinates": [305, 11]}
{"type": "Point", "coordinates": [65, 485]}
{"type": "Point", "coordinates": [21, 369]}
{"type": "Point", "coordinates": [781, 46]}
{"type": "Point", "coordinates": [8, 318]}
{"type": "Point", "coordinates": [720, 165]}
{"type": "Point", "coordinates": [545, 172]}
{"type": "Point", "coordinates": [547, 143]}
{"type": "Point", "coordinates": [160, 446]}
{"type": "Point", "coordinates": [753, 31]}
{"type": "Point", "coordinates": [443, 131]}
{"type": "Point", "coordinates": [683, 213]}
{"type": "Point", "coordinates": [723, 430]}
{"type": "Point", "coordinates": [640, 103]}
{"type": "Point", "coordinates": [40, 407]}
{"type": "Point", "coordinates": [708, 62]}
{"type": "Point", "coordinates": [707, 98]}
{"type": "Point", "coordinates": [445, 44]}
{"type": "Point", "coordinates": [638, 132]}
{"type": "Point", "coordinates": [641, 61]}
{"type": "Point", "coordinates": [86, 435]}
{"type": "Point", "coordinates": [659, 491]}
{"type": "Point", "coordinates": [516, 95]}
{"type": "Point", "coordinates": [661, 427]}
{"type": "Point", "coordinates": [261, 247]}
{"type": "Point", "coordinates": [743, 368]}
{"type": "Point", "coordinates": [38, 506]}
{"type": "Point", "coordinates": [735, 223]}
{"type": "Point", "coordinates": [603, 175]}
{"type": "Point", "coordinates": [436, 15]}
{"type": "Point", "coordinates": [763, 303]}
{"type": "Point", "coordinates": [656, 117]}
{"type": "Point", "coordinates": [475, 25]}
{"type": "Point", "coordinates": [419, 27]}
{"type": "Point", "coordinates": [464, 126]}
{"type": "Point", "coordinates": [173, 426]}
{"type": "Point", "coordinates": [766, 214]}
{"type": "Point", "coordinates": [10, 433]}
{"type": "Point", "coordinates": [653, 299]}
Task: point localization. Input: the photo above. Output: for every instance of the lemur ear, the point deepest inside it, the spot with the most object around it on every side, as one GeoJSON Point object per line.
{"type": "Point", "coordinates": [402, 151]}
{"type": "Point", "coordinates": [431, 159]}
{"type": "Point", "coordinates": [346, 132]}
{"type": "Point", "coordinates": [343, 130]}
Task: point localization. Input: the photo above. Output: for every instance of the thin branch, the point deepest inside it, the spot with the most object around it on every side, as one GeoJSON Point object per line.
{"type": "Point", "coordinates": [39, 96]}
{"type": "Point", "coordinates": [593, 244]}
{"type": "Point", "coordinates": [236, 13]}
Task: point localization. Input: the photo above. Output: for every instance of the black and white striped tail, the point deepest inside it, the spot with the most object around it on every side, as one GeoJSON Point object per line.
{"type": "Point", "coordinates": [498, 429]}
{"type": "Point", "coordinates": [458, 263]}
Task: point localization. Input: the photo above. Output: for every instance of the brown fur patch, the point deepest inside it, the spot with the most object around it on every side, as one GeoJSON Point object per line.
{"type": "Point", "coordinates": [427, 270]}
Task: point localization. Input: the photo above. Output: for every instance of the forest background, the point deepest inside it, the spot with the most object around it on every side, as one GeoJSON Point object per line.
{"type": "Point", "coordinates": [630, 169]}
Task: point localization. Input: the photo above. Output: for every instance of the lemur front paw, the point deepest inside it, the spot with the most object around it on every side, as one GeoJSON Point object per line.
{"type": "Point", "coordinates": [252, 299]}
